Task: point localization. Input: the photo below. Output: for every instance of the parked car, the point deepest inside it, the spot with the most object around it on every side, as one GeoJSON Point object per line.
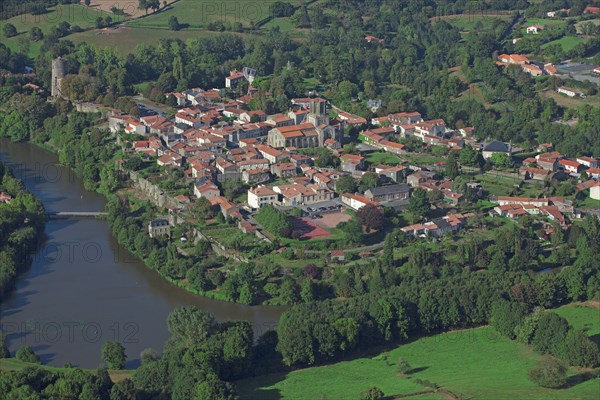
{"type": "Point", "coordinates": [311, 209]}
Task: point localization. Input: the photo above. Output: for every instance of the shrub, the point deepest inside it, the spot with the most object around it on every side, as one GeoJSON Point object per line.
{"type": "Point", "coordinates": [549, 373]}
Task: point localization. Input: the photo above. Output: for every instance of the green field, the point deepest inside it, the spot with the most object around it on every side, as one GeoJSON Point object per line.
{"type": "Point", "coordinates": [382, 158]}
{"type": "Point", "coordinates": [74, 14]}
{"type": "Point", "coordinates": [566, 42]}
{"type": "Point", "coordinates": [125, 39]}
{"type": "Point", "coordinates": [581, 318]}
{"type": "Point", "coordinates": [199, 13]}
{"type": "Point", "coordinates": [546, 23]}
{"type": "Point", "coordinates": [474, 363]}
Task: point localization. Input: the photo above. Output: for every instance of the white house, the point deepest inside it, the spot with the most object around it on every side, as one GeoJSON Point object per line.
{"type": "Point", "coordinates": [569, 91]}
{"type": "Point", "coordinates": [588, 161]}
{"type": "Point", "coordinates": [535, 29]}
{"type": "Point", "coordinates": [261, 196]}
{"type": "Point", "coordinates": [595, 192]}
{"type": "Point", "coordinates": [356, 201]}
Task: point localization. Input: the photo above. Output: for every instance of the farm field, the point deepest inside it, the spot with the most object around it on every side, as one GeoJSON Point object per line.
{"type": "Point", "coordinates": [125, 39]}
{"type": "Point", "coordinates": [474, 363]}
{"type": "Point", "coordinates": [566, 42]}
{"type": "Point", "coordinates": [74, 14]}
{"type": "Point", "coordinates": [571, 102]}
{"type": "Point", "coordinates": [199, 13]}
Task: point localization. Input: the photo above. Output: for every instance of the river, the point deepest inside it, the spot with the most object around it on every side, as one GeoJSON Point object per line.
{"type": "Point", "coordinates": [83, 288]}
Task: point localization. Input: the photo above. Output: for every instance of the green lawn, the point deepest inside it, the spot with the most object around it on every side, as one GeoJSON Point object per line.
{"type": "Point", "coordinates": [581, 318]}
{"type": "Point", "coordinates": [344, 380]}
{"type": "Point", "coordinates": [567, 42]}
{"type": "Point", "coordinates": [382, 158]}
{"type": "Point", "coordinates": [472, 364]}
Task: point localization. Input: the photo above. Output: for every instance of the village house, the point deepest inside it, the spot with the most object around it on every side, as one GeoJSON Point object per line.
{"type": "Point", "coordinates": [206, 189]}
{"type": "Point", "coordinates": [591, 10]}
{"type": "Point", "coordinates": [352, 162]}
{"type": "Point", "coordinates": [570, 166]}
{"type": "Point", "coordinates": [271, 154]}
{"type": "Point", "coordinates": [159, 227]}
{"type": "Point", "coordinates": [356, 201]}
{"type": "Point", "coordinates": [588, 161]}
{"type": "Point", "coordinates": [395, 173]}
{"type": "Point", "coordinates": [512, 211]}
{"type": "Point", "coordinates": [261, 196]}
{"type": "Point", "coordinates": [596, 71]}
{"type": "Point", "coordinates": [502, 200]}
{"type": "Point", "coordinates": [535, 29]}
{"type": "Point", "coordinates": [235, 78]}
{"type": "Point", "coordinates": [569, 91]}
{"type": "Point", "coordinates": [496, 146]}
{"type": "Point", "coordinates": [296, 194]}
{"type": "Point", "coordinates": [337, 255]}
{"type": "Point", "coordinates": [255, 176]}
{"type": "Point", "coordinates": [593, 172]}
{"type": "Point", "coordinates": [170, 158]}
{"type": "Point", "coordinates": [539, 174]}
{"type": "Point", "coordinates": [532, 70]}
{"type": "Point", "coordinates": [253, 164]}
{"type": "Point", "coordinates": [284, 170]}
{"type": "Point", "coordinates": [515, 59]}
{"type": "Point", "coordinates": [595, 192]}
{"type": "Point", "coordinates": [387, 193]}
{"type": "Point", "coordinates": [228, 208]}
{"type": "Point", "coordinates": [550, 69]}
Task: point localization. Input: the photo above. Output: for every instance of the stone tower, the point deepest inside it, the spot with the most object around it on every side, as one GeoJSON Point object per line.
{"type": "Point", "coordinates": [58, 72]}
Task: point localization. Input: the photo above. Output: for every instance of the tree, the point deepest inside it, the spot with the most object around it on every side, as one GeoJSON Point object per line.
{"type": "Point", "coordinates": [372, 393]}
{"type": "Point", "coordinates": [87, 2]}
{"type": "Point", "coordinates": [148, 355]}
{"type": "Point", "coordinates": [352, 230]}
{"type": "Point", "coordinates": [549, 373]}
{"type": "Point", "coordinates": [202, 209]}
{"type": "Point", "coordinates": [174, 23]}
{"type": "Point", "coordinates": [36, 34]}
{"type": "Point", "coordinates": [403, 366]}
{"type": "Point", "coordinates": [26, 354]}
{"type": "Point", "coordinates": [501, 160]}
{"type": "Point", "coordinates": [113, 353]}
{"type": "Point", "coordinates": [190, 325]}
{"type": "Point", "coordinates": [123, 390]}
{"type": "Point", "coordinates": [9, 30]}
{"type": "Point", "coordinates": [578, 349]}
{"type": "Point", "coordinates": [506, 316]}
{"type": "Point", "coordinates": [368, 181]}
{"type": "Point", "coordinates": [550, 333]}
{"type": "Point", "coordinates": [214, 388]}
{"type": "Point", "coordinates": [4, 352]}
{"type": "Point", "coordinates": [370, 216]}
{"type": "Point", "coordinates": [418, 205]}
{"type": "Point", "coordinates": [451, 170]}
{"type": "Point", "coordinates": [345, 184]}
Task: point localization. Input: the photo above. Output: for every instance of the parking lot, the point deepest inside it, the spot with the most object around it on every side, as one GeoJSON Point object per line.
{"type": "Point", "coordinates": [580, 72]}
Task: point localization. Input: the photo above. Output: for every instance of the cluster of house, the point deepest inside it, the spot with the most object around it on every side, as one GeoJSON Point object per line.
{"type": "Point", "coordinates": [567, 11]}
{"type": "Point", "coordinates": [526, 65]}
{"type": "Point", "coordinates": [439, 226]}
{"type": "Point", "coordinates": [554, 208]}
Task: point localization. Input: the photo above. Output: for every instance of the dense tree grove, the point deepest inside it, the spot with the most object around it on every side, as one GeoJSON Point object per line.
{"type": "Point", "coordinates": [21, 229]}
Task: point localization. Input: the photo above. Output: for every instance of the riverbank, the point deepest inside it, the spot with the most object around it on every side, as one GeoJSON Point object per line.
{"type": "Point", "coordinates": [83, 288]}
{"type": "Point", "coordinates": [22, 222]}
